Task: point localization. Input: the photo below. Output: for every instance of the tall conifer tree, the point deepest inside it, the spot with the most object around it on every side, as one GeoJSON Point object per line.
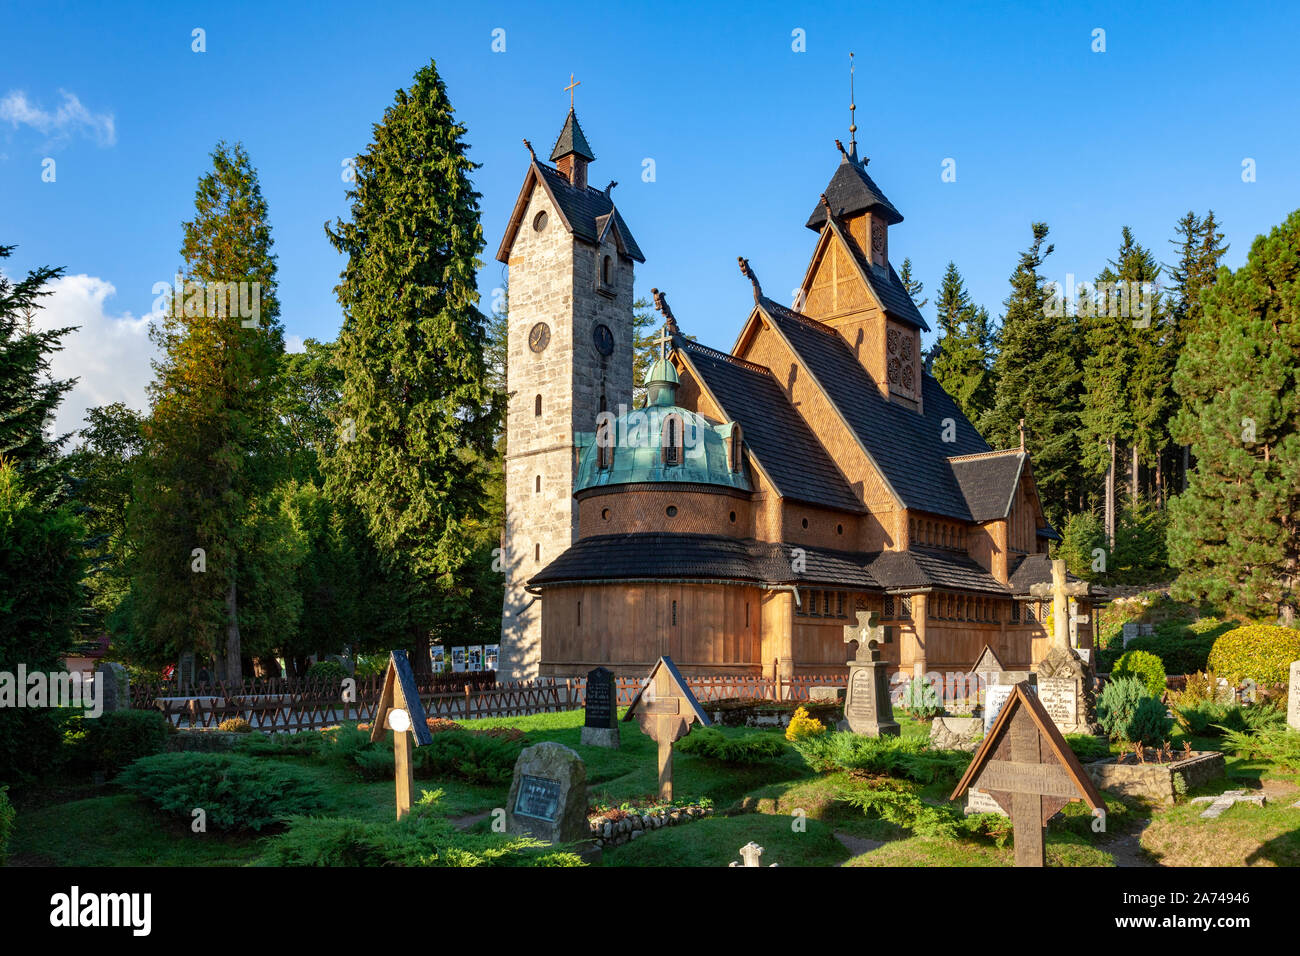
{"type": "Point", "coordinates": [963, 357]}
{"type": "Point", "coordinates": [416, 392]}
{"type": "Point", "coordinates": [211, 417]}
{"type": "Point", "coordinates": [1234, 534]}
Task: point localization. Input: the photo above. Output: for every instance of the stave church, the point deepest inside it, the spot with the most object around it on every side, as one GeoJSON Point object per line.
{"type": "Point", "coordinates": [766, 493]}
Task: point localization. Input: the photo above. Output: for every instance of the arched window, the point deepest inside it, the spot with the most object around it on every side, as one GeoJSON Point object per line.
{"type": "Point", "coordinates": [538, 488]}
{"type": "Point", "coordinates": [670, 440]}
{"type": "Point", "coordinates": [537, 406]}
{"type": "Point", "coordinates": [605, 445]}
{"type": "Point", "coordinates": [607, 271]}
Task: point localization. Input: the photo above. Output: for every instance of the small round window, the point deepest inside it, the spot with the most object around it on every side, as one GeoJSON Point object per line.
{"type": "Point", "coordinates": [604, 514]}
{"type": "Point", "coordinates": [672, 511]}
{"type": "Point", "coordinates": [539, 221]}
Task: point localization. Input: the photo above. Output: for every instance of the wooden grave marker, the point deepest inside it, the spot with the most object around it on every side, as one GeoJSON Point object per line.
{"type": "Point", "coordinates": [665, 708]}
{"type": "Point", "coordinates": [1028, 768]}
{"type": "Point", "coordinates": [401, 711]}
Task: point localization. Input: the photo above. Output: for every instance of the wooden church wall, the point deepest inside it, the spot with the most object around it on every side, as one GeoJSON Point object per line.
{"type": "Point", "coordinates": [627, 626]}
{"type": "Point", "coordinates": [875, 530]}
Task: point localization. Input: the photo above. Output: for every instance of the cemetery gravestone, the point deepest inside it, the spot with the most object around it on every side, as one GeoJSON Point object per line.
{"type": "Point", "coordinates": [548, 795]}
{"type": "Point", "coordinates": [1293, 698]}
{"type": "Point", "coordinates": [867, 705]}
{"type": "Point", "coordinates": [1028, 769]}
{"type": "Point", "coordinates": [600, 728]}
{"type": "Point", "coordinates": [1064, 680]}
{"type": "Point", "coordinates": [401, 711]}
{"type": "Point", "coordinates": [666, 710]}
{"type": "Point", "coordinates": [114, 690]}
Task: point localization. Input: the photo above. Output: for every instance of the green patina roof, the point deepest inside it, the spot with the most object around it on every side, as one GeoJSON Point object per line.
{"type": "Point", "coordinates": [637, 455]}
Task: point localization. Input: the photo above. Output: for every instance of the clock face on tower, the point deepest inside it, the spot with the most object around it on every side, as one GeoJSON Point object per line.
{"type": "Point", "coordinates": [539, 337]}
{"type": "Point", "coordinates": [603, 339]}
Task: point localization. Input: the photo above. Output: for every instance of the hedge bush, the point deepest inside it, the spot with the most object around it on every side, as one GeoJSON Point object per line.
{"type": "Point", "coordinates": [1127, 712]}
{"type": "Point", "coordinates": [908, 757]}
{"type": "Point", "coordinates": [236, 792]}
{"type": "Point", "coordinates": [326, 670]}
{"type": "Point", "coordinates": [422, 838]}
{"type": "Point", "coordinates": [475, 758]}
{"type": "Point", "coordinates": [1182, 648]}
{"type": "Point", "coordinates": [113, 740]}
{"type": "Point", "coordinates": [7, 815]}
{"type": "Point", "coordinates": [1144, 666]}
{"type": "Point", "coordinates": [743, 749]}
{"type": "Point", "coordinates": [1259, 652]}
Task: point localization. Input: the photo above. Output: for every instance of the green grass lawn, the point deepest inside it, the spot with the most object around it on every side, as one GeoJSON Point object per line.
{"type": "Point", "coordinates": [793, 813]}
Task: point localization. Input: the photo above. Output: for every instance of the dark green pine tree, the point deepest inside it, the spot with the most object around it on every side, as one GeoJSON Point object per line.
{"type": "Point", "coordinates": [211, 425]}
{"type": "Point", "coordinates": [1039, 379]}
{"type": "Point", "coordinates": [963, 354]}
{"type": "Point", "coordinates": [416, 384]}
{"type": "Point", "coordinates": [1234, 534]}
{"type": "Point", "coordinates": [28, 394]}
{"type": "Point", "coordinates": [914, 288]}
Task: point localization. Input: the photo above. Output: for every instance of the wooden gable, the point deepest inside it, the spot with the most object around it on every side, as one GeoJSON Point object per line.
{"type": "Point", "coordinates": [833, 285]}
{"type": "Point", "coordinates": [400, 693]}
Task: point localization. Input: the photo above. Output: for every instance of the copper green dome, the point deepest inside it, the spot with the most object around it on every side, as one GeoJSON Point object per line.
{"type": "Point", "coordinates": [637, 440]}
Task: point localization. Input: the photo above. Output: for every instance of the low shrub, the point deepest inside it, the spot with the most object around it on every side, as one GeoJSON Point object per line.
{"type": "Point", "coordinates": [921, 701]}
{"type": "Point", "coordinates": [305, 743]}
{"type": "Point", "coordinates": [1275, 742]}
{"type": "Point", "coordinates": [235, 725]}
{"type": "Point", "coordinates": [1183, 648]}
{"type": "Point", "coordinates": [1128, 713]}
{"type": "Point", "coordinates": [743, 749]}
{"type": "Point", "coordinates": [475, 758]}
{"type": "Point", "coordinates": [7, 815]}
{"type": "Point", "coordinates": [235, 792]}
{"type": "Point", "coordinates": [1144, 666]}
{"type": "Point", "coordinates": [900, 803]}
{"type": "Point", "coordinates": [803, 725]}
{"type": "Point", "coordinates": [438, 725]}
{"type": "Point", "coordinates": [111, 741]}
{"type": "Point", "coordinates": [327, 670]}
{"type": "Point", "coordinates": [907, 757]}
{"type": "Point", "coordinates": [1087, 747]}
{"type": "Point", "coordinates": [422, 838]}
{"type": "Point", "coordinates": [1259, 652]}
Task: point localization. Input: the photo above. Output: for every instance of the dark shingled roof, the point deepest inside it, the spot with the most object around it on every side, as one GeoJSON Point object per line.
{"type": "Point", "coordinates": [701, 556]}
{"type": "Point", "coordinates": [852, 191]}
{"type": "Point", "coordinates": [886, 286]}
{"type": "Point", "coordinates": [582, 207]}
{"type": "Point", "coordinates": [989, 483]}
{"type": "Point", "coordinates": [1028, 570]}
{"type": "Point", "coordinates": [922, 568]}
{"type": "Point", "coordinates": [572, 140]}
{"type": "Point", "coordinates": [907, 447]}
{"type": "Point", "coordinates": [774, 432]}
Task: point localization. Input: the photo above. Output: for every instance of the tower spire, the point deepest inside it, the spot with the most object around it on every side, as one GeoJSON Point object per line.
{"type": "Point", "coordinates": [853, 106]}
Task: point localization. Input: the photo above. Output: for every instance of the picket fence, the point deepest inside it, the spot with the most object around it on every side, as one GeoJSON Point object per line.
{"type": "Point", "coordinates": [296, 704]}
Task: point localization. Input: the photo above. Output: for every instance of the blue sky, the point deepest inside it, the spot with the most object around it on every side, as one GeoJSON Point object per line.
{"type": "Point", "coordinates": [739, 125]}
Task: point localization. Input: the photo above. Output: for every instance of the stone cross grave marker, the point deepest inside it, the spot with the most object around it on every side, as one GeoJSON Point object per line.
{"type": "Point", "coordinates": [867, 705]}
{"type": "Point", "coordinates": [666, 709]}
{"type": "Point", "coordinates": [600, 726]}
{"type": "Point", "coordinates": [1026, 766]}
{"type": "Point", "coordinates": [401, 711]}
{"type": "Point", "coordinates": [752, 855]}
{"type": "Point", "coordinates": [548, 795]}
{"type": "Point", "coordinates": [1221, 802]}
{"type": "Point", "coordinates": [1293, 698]}
{"type": "Point", "coordinates": [1064, 681]}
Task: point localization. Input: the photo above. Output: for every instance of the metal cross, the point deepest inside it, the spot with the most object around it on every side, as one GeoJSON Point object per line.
{"type": "Point", "coordinates": [569, 89]}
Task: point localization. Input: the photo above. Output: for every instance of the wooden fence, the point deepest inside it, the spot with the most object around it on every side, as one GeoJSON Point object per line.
{"type": "Point", "coordinates": [289, 704]}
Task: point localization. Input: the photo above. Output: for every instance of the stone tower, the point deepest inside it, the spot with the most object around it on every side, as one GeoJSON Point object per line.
{"type": "Point", "coordinates": [571, 258]}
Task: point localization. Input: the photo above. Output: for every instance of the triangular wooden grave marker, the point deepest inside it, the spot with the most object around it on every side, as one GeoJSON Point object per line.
{"type": "Point", "coordinates": [988, 661]}
{"type": "Point", "coordinates": [1028, 768]}
{"type": "Point", "coordinates": [666, 709]}
{"type": "Point", "coordinates": [401, 711]}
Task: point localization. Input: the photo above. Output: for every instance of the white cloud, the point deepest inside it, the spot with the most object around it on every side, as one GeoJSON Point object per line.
{"type": "Point", "coordinates": [71, 117]}
{"type": "Point", "coordinates": [110, 354]}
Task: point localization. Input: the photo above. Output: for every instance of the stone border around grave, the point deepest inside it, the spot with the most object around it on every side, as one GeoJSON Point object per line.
{"type": "Point", "coordinates": [1155, 781]}
{"type": "Point", "coordinates": [607, 833]}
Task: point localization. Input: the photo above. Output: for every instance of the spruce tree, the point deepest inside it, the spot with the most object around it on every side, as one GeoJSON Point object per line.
{"type": "Point", "coordinates": [210, 423]}
{"type": "Point", "coordinates": [914, 287]}
{"type": "Point", "coordinates": [1233, 534]}
{"type": "Point", "coordinates": [28, 394]}
{"type": "Point", "coordinates": [962, 361]}
{"type": "Point", "coordinates": [416, 392]}
{"type": "Point", "coordinates": [1038, 379]}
